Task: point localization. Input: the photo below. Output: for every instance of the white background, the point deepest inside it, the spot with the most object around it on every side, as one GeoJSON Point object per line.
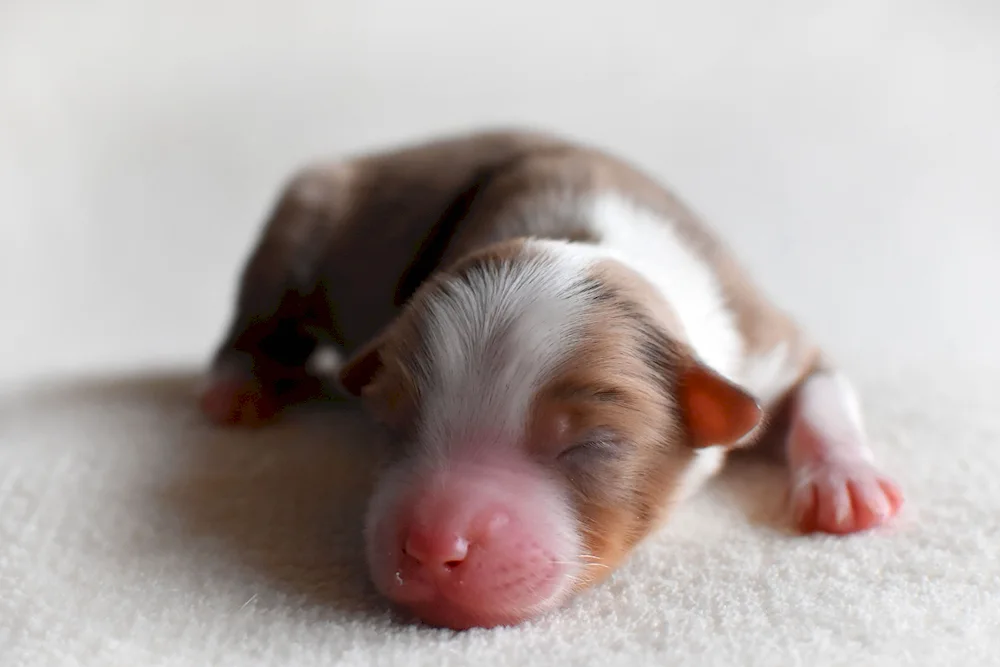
{"type": "Point", "coordinates": [850, 150]}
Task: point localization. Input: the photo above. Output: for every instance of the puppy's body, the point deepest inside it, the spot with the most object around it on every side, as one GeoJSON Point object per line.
{"type": "Point", "coordinates": [562, 349]}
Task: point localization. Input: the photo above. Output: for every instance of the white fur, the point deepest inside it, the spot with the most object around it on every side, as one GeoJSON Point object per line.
{"type": "Point", "coordinates": [828, 402]}
{"type": "Point", "coordinates": [493, 338]}
{"type": "Point", "coordinates": [770, 374]}
{"type": "Point", "coordinates": [706, 463]}
{"type": "Point", "coordinates": [325, 361]}
{"type": "Point", "coordinates": [651, 246]}
{"type": "Point", "coordinates": [647, 243]}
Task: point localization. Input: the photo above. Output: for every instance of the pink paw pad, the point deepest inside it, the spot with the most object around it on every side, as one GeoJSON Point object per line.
{"type": "Point", "coordinates": [842, 497]}
{"type": "Point", "coordinates": [238, 401]}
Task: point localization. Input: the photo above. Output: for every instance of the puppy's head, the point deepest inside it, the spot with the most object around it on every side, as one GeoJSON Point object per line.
{"type": "Point", "coordinates": [545, 413]}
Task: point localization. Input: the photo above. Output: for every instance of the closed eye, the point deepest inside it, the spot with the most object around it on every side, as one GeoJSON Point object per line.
{"type": "Point", "coordinates": [597, 444]}
{"type": "Point", "coordinates": [609, 396]}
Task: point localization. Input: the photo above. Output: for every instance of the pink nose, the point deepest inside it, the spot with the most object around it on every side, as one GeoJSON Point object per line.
{"type": "Point", "coordinates": [443, 546]}
{"type": "Point", "coordinates": [464, 558]}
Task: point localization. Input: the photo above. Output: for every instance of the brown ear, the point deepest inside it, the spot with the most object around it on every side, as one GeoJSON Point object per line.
{"type": "Point", "coordinates": [716, 411]}
{"type": "Point", "coordinates": [360, 370]}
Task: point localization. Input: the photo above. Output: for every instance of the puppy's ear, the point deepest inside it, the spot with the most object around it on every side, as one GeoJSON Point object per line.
{"type": "Point", "coordinates": [715, 411]}
{"type": "Point", "coordinates": [361, 368]}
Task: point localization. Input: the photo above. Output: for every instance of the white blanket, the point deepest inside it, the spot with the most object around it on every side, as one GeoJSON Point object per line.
{"type": "Point", "coordinates": [134, 535]}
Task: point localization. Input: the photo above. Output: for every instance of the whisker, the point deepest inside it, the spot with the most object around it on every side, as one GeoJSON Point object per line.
{"type": "Point", "coordinates": [576, 579]}
{"type": "Point", "coordinates": [585, 563]}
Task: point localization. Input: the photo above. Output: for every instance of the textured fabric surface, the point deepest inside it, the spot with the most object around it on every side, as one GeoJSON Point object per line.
{"type": "Point", "coordinates": [133, 535]}
{"type": "Point", "coordinates": [849, 152]}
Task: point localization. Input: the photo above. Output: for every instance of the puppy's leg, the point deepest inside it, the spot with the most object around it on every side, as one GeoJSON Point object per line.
{"type": "Point", "coordinates": [836, 487]}
{"type": "Point", "coordinates": [261, 368]}
{"type": "Point", "coordinates": [281, 312]}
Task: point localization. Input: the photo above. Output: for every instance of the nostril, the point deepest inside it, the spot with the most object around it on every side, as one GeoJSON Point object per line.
{"type": "Point", "coordinates": [444, 551]}
{"type": "Point", "coordinates": [455, 553]}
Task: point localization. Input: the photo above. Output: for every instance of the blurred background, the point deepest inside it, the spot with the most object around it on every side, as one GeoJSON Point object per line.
{"type": "Point", "coordinates": [849, 151]}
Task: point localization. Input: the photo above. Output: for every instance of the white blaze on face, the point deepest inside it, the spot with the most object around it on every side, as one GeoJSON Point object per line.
{"type": "Point", "coordinates": [493, 337]}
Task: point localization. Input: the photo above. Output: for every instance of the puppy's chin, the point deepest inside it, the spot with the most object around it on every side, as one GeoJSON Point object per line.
{"type": "Point", "coordinates": [438, 610]}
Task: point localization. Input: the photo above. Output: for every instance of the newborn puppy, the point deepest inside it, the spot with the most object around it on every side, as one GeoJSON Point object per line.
{"type": "Point", "coordinates": [560, 350]}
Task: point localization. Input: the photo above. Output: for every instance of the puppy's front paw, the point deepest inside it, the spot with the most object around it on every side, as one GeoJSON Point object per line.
{"type": "Point", "coordinates": [842, 496]}
{"type": "Point", "coordinates": [234, 401]}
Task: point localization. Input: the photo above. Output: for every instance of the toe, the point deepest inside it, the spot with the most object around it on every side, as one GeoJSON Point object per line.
{"type": "Point", "coordinates": [893, 494]}
{"type": "Point", "coordinates": [842, 504]}
{"type": "Point", "coordinates": [868, 504]}
{"type": "Point", "coordinates": [804, 503]}
{"type": "Point", "coordinates": [835, 514]}
{"type": "Point", "coordinates": [232, 402]}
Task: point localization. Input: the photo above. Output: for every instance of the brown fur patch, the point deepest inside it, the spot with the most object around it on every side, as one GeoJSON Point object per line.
{"type": "Point", "coordinates": [623, 451]}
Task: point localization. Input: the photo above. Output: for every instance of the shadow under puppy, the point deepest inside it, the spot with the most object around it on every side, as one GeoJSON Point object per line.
{"type": "Point", "coordinates": [560, 350]}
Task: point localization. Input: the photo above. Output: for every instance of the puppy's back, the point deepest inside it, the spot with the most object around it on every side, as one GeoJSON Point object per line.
{"type": "Point", "coordinates": [352, 238]}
